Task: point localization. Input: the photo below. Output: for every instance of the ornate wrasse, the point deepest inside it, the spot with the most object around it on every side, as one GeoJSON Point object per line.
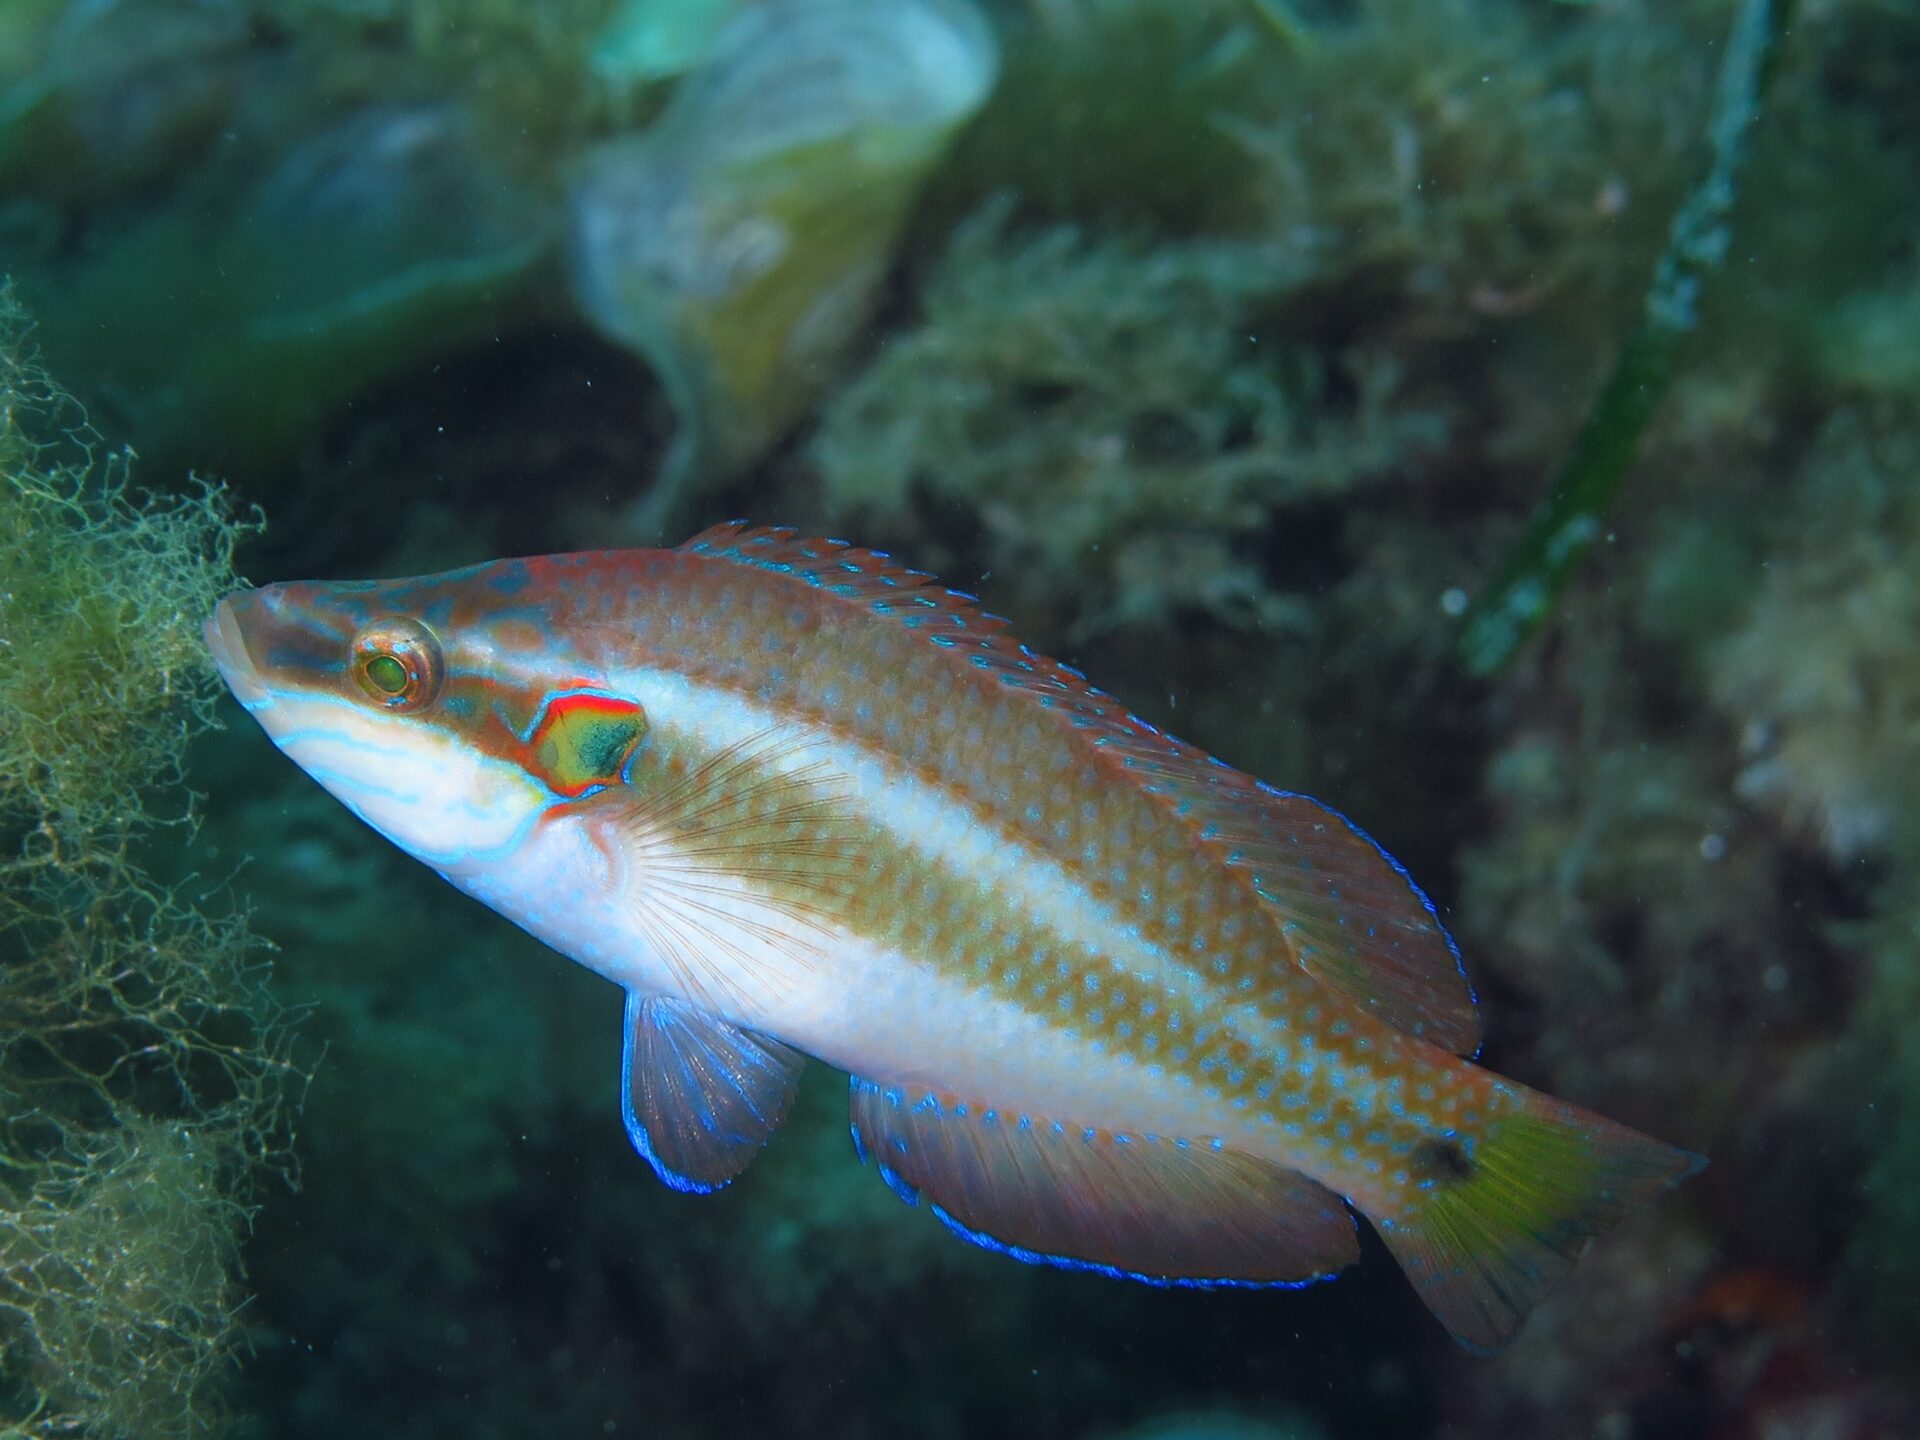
{"type": "Point", "coordinates": [1107, 1003]}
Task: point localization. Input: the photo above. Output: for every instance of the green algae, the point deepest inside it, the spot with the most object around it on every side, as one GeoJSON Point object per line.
{"type": "Point", "coordinates": [143, 1067]}
{"type": "Point", "coordinates": [1822, 672]}
{"type": "Point", "coordinates": [100, 618]}
{"type": "Point", "coordinates": [320, 215]}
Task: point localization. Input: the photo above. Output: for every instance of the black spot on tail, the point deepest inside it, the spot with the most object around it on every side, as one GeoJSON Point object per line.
{"type": "Point", "coordinates": [1443, 1158]}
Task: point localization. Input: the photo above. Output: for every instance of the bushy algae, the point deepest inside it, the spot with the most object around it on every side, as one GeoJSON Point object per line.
{"type": "Point", "coordinates": [143, 1069]}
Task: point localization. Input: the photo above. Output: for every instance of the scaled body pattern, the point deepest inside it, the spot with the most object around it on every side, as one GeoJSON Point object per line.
{"type": "Point", "coordinates": [1107, 1003]}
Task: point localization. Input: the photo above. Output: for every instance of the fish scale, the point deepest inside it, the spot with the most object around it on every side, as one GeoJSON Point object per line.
{"type": "Point", "coordinates": [1108, 1003]}
{"type": "Point", "coordinates": [1074, 817]}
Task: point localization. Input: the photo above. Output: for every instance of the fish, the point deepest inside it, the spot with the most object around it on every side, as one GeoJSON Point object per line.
{"type": "Point", "coordinates": [1106, 1003]}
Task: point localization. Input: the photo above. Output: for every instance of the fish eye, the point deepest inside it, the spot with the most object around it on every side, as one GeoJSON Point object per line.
{"type": "Point", "coordinates": [397, 662]}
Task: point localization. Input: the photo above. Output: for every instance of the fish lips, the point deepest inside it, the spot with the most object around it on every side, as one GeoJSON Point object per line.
{"type": "Point", "coordinates": [226, 638]}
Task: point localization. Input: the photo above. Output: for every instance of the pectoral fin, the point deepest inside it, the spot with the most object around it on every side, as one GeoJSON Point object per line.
{"type": "Point", "coordinates": [700, 1096]}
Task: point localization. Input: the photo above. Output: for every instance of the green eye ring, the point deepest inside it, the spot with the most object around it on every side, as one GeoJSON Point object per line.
{"type": "Point", "coordinates": [397, 663]}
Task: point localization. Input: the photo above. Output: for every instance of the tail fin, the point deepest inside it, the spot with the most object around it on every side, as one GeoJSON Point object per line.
{"type": "Point", "coordinates": [1516, 1206]}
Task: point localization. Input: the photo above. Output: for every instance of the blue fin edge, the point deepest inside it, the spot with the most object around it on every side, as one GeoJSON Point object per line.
{"type": "Point", "coordinates": [636, 1132]}
{"type": "Point", "coordinates": [909, 1194]}
{"type": "Point", "coordinates": [1065, 1262]}
{"type": "Point", "coordinates": [1433, 911]}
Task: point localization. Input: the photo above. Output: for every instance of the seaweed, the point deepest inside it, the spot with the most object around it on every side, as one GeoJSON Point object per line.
{"type": "Point", "coordinates": [144, 1069]}
{"type": "Point", "coordinates": [1570, 520]}
{"type": "Point", "coordinates": [1822, 675]}
{"type": "Point", "coordinates": [738, 243]}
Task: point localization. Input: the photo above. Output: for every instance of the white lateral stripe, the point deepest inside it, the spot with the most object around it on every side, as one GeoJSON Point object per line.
{"type": "Point", "coordinates": [920, 818]}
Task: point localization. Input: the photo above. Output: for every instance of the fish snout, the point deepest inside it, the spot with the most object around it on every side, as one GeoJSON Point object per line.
{"type": "Point", "coordinates": [226, 636]}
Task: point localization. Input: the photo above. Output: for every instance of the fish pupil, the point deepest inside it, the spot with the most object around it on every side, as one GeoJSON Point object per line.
{"type": "Point", "coordinates": [386, 674]}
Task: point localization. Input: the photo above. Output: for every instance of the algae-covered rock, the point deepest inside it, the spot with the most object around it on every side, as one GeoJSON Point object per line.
{"type": "Point", "coordinates": [738, 243]}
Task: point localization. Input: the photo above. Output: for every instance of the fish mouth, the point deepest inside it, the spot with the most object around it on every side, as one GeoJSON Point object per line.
{"type": "Point", "coordinates": [228, 642]}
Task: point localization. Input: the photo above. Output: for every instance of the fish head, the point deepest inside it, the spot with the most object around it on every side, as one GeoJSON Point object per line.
{"type": "Point", "coordinates": [416, 703]}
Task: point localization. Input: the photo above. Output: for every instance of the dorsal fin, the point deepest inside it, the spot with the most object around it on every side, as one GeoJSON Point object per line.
{"type": "Point", "coordinates": [1354, 918]}
{"type": "Point", "coordinates": [1347, 911]}
{"type": "Point", "coordinates": [870, 577]}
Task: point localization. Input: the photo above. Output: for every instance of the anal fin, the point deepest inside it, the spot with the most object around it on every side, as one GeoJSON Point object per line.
{"type": "Point", "coordinates": [700, 1096]}
{"type": "Point", "coordinates": [1142, 1207]}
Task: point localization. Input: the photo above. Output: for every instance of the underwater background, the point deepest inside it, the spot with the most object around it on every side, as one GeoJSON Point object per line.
{"type": "Point", "coordinates": [1500, 418]}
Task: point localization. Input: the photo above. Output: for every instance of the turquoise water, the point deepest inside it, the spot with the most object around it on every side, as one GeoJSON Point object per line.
{"type": "Point", "coordinates": [1499, 419]}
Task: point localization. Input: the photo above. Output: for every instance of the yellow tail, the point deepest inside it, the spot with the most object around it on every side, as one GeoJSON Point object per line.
{"type": "Point", "coordinates": [1507, 1219]}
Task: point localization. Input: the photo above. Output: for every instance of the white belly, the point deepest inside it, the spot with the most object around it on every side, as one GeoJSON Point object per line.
{"type": "Point", "coordinates": [838, 996]}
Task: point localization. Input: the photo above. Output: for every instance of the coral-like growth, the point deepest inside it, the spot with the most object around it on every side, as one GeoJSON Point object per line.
{"type": "Point", "coordinates": [1823, 676]}
{"type": "Point", "coordinates": [1824, 682]}
{"type": "Point", "coordinates": [1488, 156]}
{"type": "Point", "coordinates": [143, 1069]}
{"type": "Point", "coordinates": [1114, 415]}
